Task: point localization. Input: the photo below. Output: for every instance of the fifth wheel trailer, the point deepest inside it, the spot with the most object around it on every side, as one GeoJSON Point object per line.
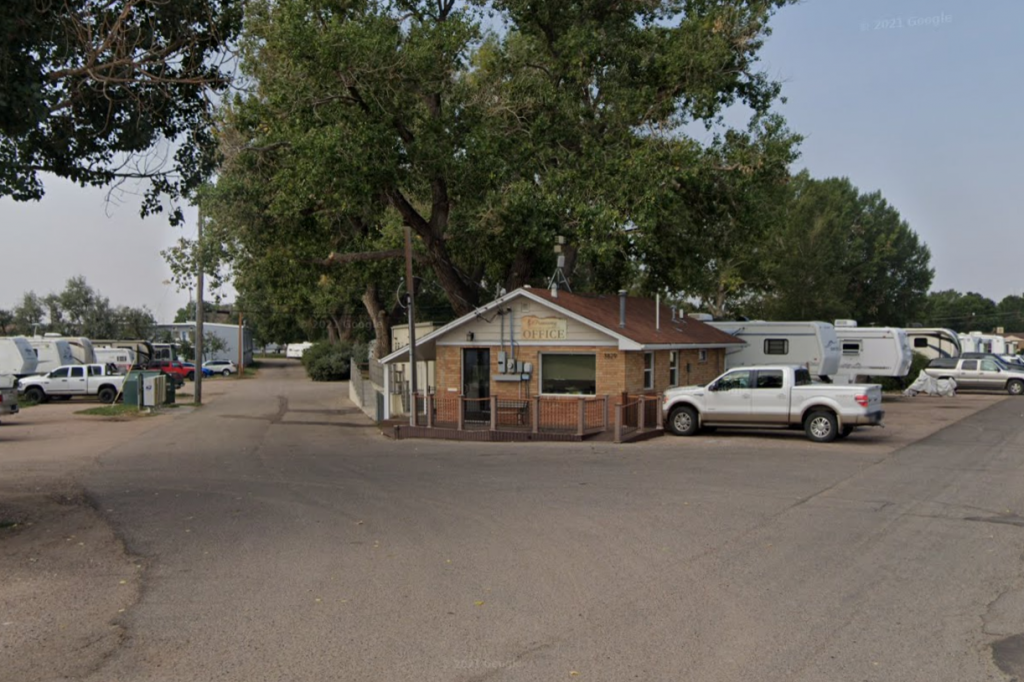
{"type": "Point", "coordinates": [813, 345]}
{"type": "Point", "coordinates": [17, 358]}
{"type": "Point", "coordinates": [871, 352]}
{"type": "Point", "coordinates": [934, 342]}
{"type": "Point", "coordinates": [52, 353]}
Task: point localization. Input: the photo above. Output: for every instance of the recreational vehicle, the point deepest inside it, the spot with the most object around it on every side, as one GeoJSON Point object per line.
{"type": "Point", "coordinates": [81, 348]}
{"type": "Point", "coordinates": [122, 358]}
{"type": "Point", "coordinates": [978, 342]}
{"type": "Point", "coordinates": [17, 358]}
{"type": "Point", "coordinates": [296, 350]}
{"type": "Point", "coordinates": [51, 353]}
{"type": "Point", "coordinates": [165, 351]}
{"type": "Point", "coordinates": [934, 342]}
{"type": "Point", "coordinates": [871, 352]}
{"type": "Point", "coordinates": [813, 345]}
{"type": "Point", "coordinates": [143, 349]}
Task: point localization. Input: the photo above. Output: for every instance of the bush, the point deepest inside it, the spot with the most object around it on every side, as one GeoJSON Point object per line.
{"type": "Point", "coordinates": [918, 364]}
{"type": "Point", "coordinates": [331, 361]}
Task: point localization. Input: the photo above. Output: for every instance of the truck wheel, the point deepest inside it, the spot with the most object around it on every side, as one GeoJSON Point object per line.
{"type": "Point", "coordinates": [107, 395]}
{"type": "Point", "coordinates": [34, 394]}
{"type": "Point", "coordinates": [1015, 387]}
{"type": "Point", "coordinates": [682, 421]}
{"type": "Point", "coordinates": [821, 427]}
{"type": "Point", "coordinates": [191, 376]}
{"type": "Point", "coordinates": [845, 431]}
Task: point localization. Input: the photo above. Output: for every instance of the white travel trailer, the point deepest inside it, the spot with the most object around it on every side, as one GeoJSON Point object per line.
{"type": "Point", "coordinates": [871, 352]}
{"type": "Point", "coordinates": [51, 353]}
{"type": "Point", "coordinates": [934, 342]}
{"type": "Point", "coordinates": [17, 358]}
{"type": "Point", "coordinates": [81, 348]}
{"type": "Point", "coordinates": [122, 358]}
{"type": "Point", "coordinates": [978, 342]}
{"type": "Point", "coordinates": [296, 350]}
{"type": "Point", "coordinates": [813, 345]}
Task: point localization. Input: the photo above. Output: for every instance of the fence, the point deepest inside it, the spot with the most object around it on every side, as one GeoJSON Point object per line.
{"type": "Point", "coordinates": [567, 417]}
{"type": "Point", "coordinates": [639, 415]}
{"type": "Point", "coordinates": [364, 391]}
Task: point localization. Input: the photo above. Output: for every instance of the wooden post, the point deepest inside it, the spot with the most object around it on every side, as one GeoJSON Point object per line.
{"type": "Point", "coordinates": [618, 423]}
{"type": "Point", "coordinates": [604, 415]}
{"type": "Point", "coordinates": [661, 414]}
{"type": "Point", "coordinates": [641, 415]}
{"type": "Point", "coordinates": [429, 405]}
{"type": "Point", "coordinates": [581, 416]}
{"type": "Point", "coordinates": [494, 413]}
{"type": "Point", "coordinates": [460, 417]}
{"type": "Point", "coordinates": [535, 416]}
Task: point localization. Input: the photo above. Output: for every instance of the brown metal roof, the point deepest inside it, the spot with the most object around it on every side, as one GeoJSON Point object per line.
{"type": "Point", "coordinates": [641, 325]}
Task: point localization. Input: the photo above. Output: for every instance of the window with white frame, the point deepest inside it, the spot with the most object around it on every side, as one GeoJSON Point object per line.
{"type": "Point", "coordinates": [673, 368]}
{"type": "Point", "coordinates": [648, 371]}
{"type": "Point", "coordinates": [851, 347]}
{"type": "Point", "coordinates": [702, 355]}
{"type": "Point", "coordinates": [568, 373]}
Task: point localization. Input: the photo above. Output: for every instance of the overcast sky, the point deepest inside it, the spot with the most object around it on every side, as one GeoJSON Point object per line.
{"type": "Point", "coordinates": [920, 99]}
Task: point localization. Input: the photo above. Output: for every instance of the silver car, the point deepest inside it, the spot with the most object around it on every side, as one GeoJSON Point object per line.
{"type": "Point", "coordinates": [978, 374]}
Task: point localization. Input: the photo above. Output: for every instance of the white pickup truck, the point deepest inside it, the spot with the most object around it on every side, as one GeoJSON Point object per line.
{"type": "Point", "coordinates": [67, 381]}
{"type": "Point", "coordinates": [770, 396]}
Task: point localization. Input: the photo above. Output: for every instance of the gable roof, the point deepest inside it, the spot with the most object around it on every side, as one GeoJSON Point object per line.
{"type": "Point", "coordinates": [601, 312]}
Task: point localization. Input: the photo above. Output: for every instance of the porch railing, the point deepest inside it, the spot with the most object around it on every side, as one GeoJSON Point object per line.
{"type": "Point", "coordinates": [579, 416]}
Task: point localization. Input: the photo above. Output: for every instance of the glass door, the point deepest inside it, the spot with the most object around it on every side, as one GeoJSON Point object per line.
{"type": "Point", "coordinates": [476, 383]}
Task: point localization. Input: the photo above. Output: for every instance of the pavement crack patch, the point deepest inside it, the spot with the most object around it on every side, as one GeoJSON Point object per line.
{"type": "Point", "coordinates": [1004, 519]}
{"type": "Point", "coordinates": [1008, 655]}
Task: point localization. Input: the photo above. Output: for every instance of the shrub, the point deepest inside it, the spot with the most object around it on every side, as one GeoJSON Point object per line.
{"type": "Point", "coordinates": [331, 361]}
{"type": "Point", "coordinates": [918, 364]}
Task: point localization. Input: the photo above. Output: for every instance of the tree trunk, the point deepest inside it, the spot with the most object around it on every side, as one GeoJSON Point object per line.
{"type": "Point", "coordinates": [380, 319]}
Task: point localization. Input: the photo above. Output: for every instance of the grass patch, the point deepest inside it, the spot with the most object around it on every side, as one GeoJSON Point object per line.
{"type": "Point", "coordinates": [120, 410]}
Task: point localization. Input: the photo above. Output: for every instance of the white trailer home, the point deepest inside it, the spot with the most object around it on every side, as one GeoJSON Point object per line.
{"type": "Point", "coordinates": [979, 342]}
{"type": "Point", "coordinates": [51, 353]}
{"type": "Point", "coordinates": [813, 345]}
{"type": "Point", "coordinates": [934, 342]}
{"type": "Point", "coordinates": [17, 358]}
{"type": "Point", "coordinates": [871, 352]}
{"type": "Point", "coordinates": [122, 358]}
{"type": "Point", "coordinates": [81, 348]}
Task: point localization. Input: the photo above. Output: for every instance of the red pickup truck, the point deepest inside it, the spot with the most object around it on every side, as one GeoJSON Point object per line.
{"type": "Point", "coordinates": [174, 369]}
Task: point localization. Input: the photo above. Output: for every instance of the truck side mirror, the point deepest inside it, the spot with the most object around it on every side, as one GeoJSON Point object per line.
{"type": "Point", "coordinates": [713, 386]}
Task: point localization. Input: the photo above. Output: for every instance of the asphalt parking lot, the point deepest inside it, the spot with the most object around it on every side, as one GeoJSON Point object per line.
{"type": "Point", "coordinates": [275, 534]}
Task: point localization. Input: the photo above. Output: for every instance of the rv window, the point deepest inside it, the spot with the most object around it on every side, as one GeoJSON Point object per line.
{"type": "Point", "coordinates": [851, 347]}
{"type": "Point", "coordinates": [920, 342]}
{"type": "Point", "coordinates": [776, 346]}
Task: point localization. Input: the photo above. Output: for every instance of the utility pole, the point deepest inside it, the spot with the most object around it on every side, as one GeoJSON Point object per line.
{"type": "Point", "coordinates": [199, 313]}
{"type": "Point", "coordinates": [410, 307]}
{"type": "Point", "coordinates": [241, 355]}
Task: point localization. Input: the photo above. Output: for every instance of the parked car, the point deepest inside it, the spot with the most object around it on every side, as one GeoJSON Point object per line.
{"type": "Point", "coordinates": [978, 374]}
{"type": "Point", "coordinates": [774, 396]}
{"type": "Point", "coordinates": [1004, 362]}
{"type": "Point", "coordinates": [207, 372]}
{"type": "Point", "coordinates": [72, 380]}
{"type": "Point", "coordinates": [173, 368]}
{"type": "Point", "coordinates": [225, 367]}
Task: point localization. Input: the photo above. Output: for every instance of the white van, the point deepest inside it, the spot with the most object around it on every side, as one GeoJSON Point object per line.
{"type": "Point", "coordinates": [871, 352]}
{"type": "Point", "coordinates": [813, 345]}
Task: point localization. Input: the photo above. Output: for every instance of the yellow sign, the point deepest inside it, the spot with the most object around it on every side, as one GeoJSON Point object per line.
{"type": "Point", "coordinates": [544, 328]}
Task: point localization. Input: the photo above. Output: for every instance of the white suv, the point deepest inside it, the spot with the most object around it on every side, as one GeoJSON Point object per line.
{"type": "Point", "coordinates": [225, 367]}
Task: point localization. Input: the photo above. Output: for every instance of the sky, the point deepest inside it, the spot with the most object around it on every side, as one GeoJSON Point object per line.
{"type": "Point", "coordinates": [919, 99]}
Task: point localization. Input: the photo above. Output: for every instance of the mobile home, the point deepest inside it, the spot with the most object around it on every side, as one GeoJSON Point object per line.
{"type": "Point", "coordinates": [934, 342]}
{"type": "Point", "coordinates": [813, 345]}
{"type": "Point", "coordinates": [17, 358]}
{"type": "Point", "coordinates": [51, 353]}
{"type": "Point", "coordinates": [871, 352]}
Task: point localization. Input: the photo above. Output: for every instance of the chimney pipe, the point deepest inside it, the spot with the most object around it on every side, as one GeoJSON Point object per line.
{"type": "Point", "coordinates": [622, 307]}
{"type": "Point", "coordinates": [657, 312]}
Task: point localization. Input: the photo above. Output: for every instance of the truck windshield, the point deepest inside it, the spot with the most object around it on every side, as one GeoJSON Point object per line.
{"type": "Point", "coordinates": [802, 377]}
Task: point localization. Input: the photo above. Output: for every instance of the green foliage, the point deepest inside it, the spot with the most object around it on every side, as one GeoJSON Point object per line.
{"type": "Point", "coordinates": [965, 312]}
{"type": "Point", "coordinates": [917, 365]}
{"type": "Point", "coordinates": [331, 361]}
{"type": "Point", "coordinates": [80, 310]}
{"type": "Point", "coordinates": [843, 254]}
{"type": "Point", "coordinates": [89, 85]}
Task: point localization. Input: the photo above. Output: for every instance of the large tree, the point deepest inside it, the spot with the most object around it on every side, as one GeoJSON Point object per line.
{"type": "Point", "coordinates": [89, 86]}
{"type": "Point", "coordinates": [843, 254]}
{"type": "Point", "coordinates": [485, 139]}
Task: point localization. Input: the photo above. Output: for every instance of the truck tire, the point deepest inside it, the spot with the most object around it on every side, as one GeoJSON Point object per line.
{"type": "Point", "coordinates": [682, 421]}
{"type": "Point", "coordinates": [821, 426]}
{"type": "Point", "coordinates": [107, 394]}
{"type": "Point", "coordinates": [34, 394]}
{"type": "Point", "coordinates": [1015, 387]}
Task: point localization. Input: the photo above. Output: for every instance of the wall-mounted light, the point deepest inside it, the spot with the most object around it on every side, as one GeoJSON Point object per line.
{"type": "Point", "coordinates": [469, 336]}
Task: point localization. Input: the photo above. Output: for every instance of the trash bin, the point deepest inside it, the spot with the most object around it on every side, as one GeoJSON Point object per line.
{"type": "Point", "coordinates": [169, 397]}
